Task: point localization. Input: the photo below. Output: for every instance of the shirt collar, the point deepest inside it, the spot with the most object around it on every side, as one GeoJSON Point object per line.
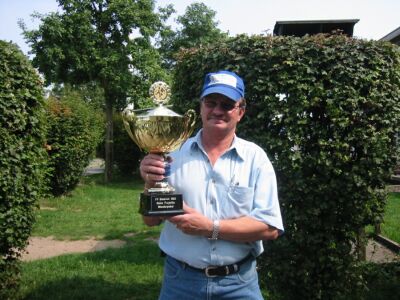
{"type": "Point", "coordinates": [236, 146]}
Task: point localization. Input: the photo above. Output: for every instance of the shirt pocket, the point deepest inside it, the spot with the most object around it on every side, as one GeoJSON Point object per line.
{"type": "Point", "coordinates": [240, 201]}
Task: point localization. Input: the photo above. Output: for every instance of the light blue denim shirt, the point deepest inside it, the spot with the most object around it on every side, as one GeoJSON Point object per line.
{"type": "Point", "coordinates": [242, 182]}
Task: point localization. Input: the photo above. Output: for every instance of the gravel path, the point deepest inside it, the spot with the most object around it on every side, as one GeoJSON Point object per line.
{"type": "Point", "coordinates": [45, 247]}
{"type": "Point", "coordinates": [378, 253]}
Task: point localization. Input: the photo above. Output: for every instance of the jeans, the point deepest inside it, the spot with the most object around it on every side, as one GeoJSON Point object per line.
{"type": "Point", "coordinates": [183, 283]}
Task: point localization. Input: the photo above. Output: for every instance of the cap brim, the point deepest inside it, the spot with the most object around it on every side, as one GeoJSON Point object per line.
{"type": "Point", "coordinates": [224, 90]}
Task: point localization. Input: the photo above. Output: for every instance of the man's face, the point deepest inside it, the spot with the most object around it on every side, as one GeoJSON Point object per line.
{"type": "Point", "coordinates": [218, 112]}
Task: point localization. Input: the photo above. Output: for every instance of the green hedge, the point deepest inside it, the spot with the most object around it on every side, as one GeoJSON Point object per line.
{"type": "Point", "coordinates": [22, 159]}
{"type": "Point", "coordinates": [127, 154]}
{"type": "Point", "coordinates": [75, 129]}
{"type": "Point", "coordinates": [326, 110]}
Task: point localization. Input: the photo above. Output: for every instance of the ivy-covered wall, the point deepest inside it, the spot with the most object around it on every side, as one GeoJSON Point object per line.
{"type": "Point", "coordinates": [326, 109]}
{"type": "Point", "coordinates": [22, 159]}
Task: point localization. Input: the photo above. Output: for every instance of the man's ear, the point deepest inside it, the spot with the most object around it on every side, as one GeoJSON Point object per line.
{"type": "Point", "coordinates": [242, 111]}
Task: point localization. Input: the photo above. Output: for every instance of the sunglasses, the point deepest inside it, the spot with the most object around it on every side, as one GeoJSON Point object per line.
{"type": "Point", "coordinates": [225, 106]}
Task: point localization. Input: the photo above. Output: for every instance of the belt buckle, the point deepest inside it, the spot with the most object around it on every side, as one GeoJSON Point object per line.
{"type": "Point", "coordinates": [206, 271]}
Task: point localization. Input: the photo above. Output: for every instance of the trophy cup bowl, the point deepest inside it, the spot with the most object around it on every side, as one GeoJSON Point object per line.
{"type": "Point", "coordinates": [161, 131]}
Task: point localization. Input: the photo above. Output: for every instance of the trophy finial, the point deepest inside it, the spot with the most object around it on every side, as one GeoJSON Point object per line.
{"type": "Point", "coordinates": [160, 92]}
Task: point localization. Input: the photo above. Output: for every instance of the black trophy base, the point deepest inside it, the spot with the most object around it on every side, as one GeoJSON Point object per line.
{"type": "Point", "coordinates": [161, 205]}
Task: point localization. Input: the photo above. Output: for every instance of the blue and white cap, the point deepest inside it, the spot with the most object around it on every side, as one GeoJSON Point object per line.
{"type": "Point", "coordinates": [223, 82]}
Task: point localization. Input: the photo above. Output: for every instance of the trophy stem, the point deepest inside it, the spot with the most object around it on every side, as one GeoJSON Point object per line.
{"type": "Point", "coordinates": [161, 200]}
{"type": "Point", "coordinates": [162, 186]}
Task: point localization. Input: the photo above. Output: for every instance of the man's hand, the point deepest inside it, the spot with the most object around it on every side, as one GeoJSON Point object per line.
{"type": "Point", "coordinates": [152, 169]}
{"type": "Point", "coordinates": [192, 222]}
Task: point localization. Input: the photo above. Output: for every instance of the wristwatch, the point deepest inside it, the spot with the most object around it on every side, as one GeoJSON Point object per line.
{"type": "Point", "coordinates": [215, 231]}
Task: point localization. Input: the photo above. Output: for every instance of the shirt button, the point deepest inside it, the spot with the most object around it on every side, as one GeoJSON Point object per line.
{"type": "Point", "coordinates": [213, 181]}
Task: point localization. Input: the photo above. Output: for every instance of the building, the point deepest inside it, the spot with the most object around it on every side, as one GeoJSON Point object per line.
{"type": "Point", "coordinates": [301, 28]}
{"type": "Point", "coordinates": [393, 37]}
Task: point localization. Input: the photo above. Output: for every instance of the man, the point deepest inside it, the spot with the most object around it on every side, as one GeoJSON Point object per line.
{"type": "Point", "coordinates": [230, 202]}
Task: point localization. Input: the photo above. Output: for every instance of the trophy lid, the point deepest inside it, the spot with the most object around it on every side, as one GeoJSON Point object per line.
{"type": "Point", "coordinates": [160, 111]}
{"type": "Point", "coordinates": [160, 93]}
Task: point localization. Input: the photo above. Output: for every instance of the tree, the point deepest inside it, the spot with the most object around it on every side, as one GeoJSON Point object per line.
{"type": "Point", "coordinates": [198, 26]}
{"type": "Point", "coordinates": [23, 164]}
{"type": "Point", "coordinates": [103, 41]}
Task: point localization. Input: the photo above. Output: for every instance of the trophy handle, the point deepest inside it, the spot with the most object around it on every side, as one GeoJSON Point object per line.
{"type": "Point", "coordinates": [190, 117]}
{"type": "Point", "coordinates": [128, 117]}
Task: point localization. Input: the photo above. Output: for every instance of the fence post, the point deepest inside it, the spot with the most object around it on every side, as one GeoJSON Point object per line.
{"type": "Point", "coordinates": [361, 247]}
{"type": "Point", "coordinates": [378, 228]}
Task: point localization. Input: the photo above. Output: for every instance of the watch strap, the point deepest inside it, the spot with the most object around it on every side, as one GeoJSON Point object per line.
{"type": "Point", "coordinates": [215, 231]}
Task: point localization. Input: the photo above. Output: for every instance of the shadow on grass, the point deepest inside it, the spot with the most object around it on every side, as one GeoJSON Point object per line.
{"type": "Point", "coordinates": [118, 182]}
{"type": "Point", "coordinates": [131, 272]}
{"type": "Point", "coordinates": [85, 288]}
{"type": "Point", "coordinates": [146, 234]}
{"type": "Point", "coordinates": [136, 252]}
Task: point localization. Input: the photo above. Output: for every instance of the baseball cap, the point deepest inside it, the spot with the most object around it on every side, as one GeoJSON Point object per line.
{"type": "Point", "coordinates": [223, 82]}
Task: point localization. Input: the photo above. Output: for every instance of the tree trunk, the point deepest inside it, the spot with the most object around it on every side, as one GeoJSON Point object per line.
{"type": "Point", "coordinates": [109, 143]}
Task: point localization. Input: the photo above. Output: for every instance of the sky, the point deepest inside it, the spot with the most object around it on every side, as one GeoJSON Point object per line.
{"type": "Point", "coordinates": [377, 18]}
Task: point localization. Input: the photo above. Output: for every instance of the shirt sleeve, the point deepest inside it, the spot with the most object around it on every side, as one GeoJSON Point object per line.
{"type": "Point", "coordinates": [266, 207]}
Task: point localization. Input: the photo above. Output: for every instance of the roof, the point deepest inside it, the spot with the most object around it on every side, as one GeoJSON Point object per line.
{"type": "Point", "coordinates": [393, 36]}
{"type": "Point", "coordinates": [303, 27]}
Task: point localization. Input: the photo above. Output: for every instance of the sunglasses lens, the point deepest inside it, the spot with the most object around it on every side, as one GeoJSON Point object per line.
{"type": "Point", "coordinates": [227, 106]}
{"type": "Point", "coordinates": [223, 105]}
{"type": "Point", "coordinates": [210, 104]}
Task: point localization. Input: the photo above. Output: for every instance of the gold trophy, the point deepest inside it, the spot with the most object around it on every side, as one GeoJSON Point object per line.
{"type": "Point", "coordinates": [159, 130]}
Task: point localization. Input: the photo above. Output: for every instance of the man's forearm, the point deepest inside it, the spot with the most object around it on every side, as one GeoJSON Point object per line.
{"type": "Point", "coordinates": [246, 229]}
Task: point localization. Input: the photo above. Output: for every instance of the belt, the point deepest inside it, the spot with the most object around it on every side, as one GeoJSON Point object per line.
{"type": "Point", "coordinates": [214, 271]}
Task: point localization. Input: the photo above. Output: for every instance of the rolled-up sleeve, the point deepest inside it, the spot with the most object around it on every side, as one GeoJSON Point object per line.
{"type": "Point", "coordinates": [266, 207]}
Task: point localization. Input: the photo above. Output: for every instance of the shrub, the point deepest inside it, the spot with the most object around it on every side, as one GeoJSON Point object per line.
{"type": "Point", "coordinates": [383, 280]}
{"type": "Point", "coordinates": [326, 109]}
{"type": "Point", "coordinates": [75, 129]}
{"type": "Point", "coordinates": [127, 154]}
{"type": "Point", "coordinates": [22, 159]}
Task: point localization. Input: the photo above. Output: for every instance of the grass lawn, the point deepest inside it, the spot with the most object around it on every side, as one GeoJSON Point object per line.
{"type": "Point", "coordinates": [134, 271]}
{"type": "Point", "coordinates": [92, 210]}
{"type": "Point", "coordinates": [105, 212]}
{"type": "Point", "coordinates": [391, 224]}
{"type": "Point", "coordinates": [390, 227]}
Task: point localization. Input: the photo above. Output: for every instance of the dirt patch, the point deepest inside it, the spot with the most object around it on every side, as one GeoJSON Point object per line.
{"type": "Point", "coordinates": [378, 253]}
{"type": "Point", "coordinates": [45, 247]}
{"type": "Point", "coordinates": [394, 188]}
{"type": "Point", "coordinates": [96, 166]}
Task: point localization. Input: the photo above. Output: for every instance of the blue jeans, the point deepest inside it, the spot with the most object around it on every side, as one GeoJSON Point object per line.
{"type": "Point", "coordinates": [183, 283]}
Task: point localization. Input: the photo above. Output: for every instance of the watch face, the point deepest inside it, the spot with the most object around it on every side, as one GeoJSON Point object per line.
{"type": "Point", "coordinates": [160, 92]}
